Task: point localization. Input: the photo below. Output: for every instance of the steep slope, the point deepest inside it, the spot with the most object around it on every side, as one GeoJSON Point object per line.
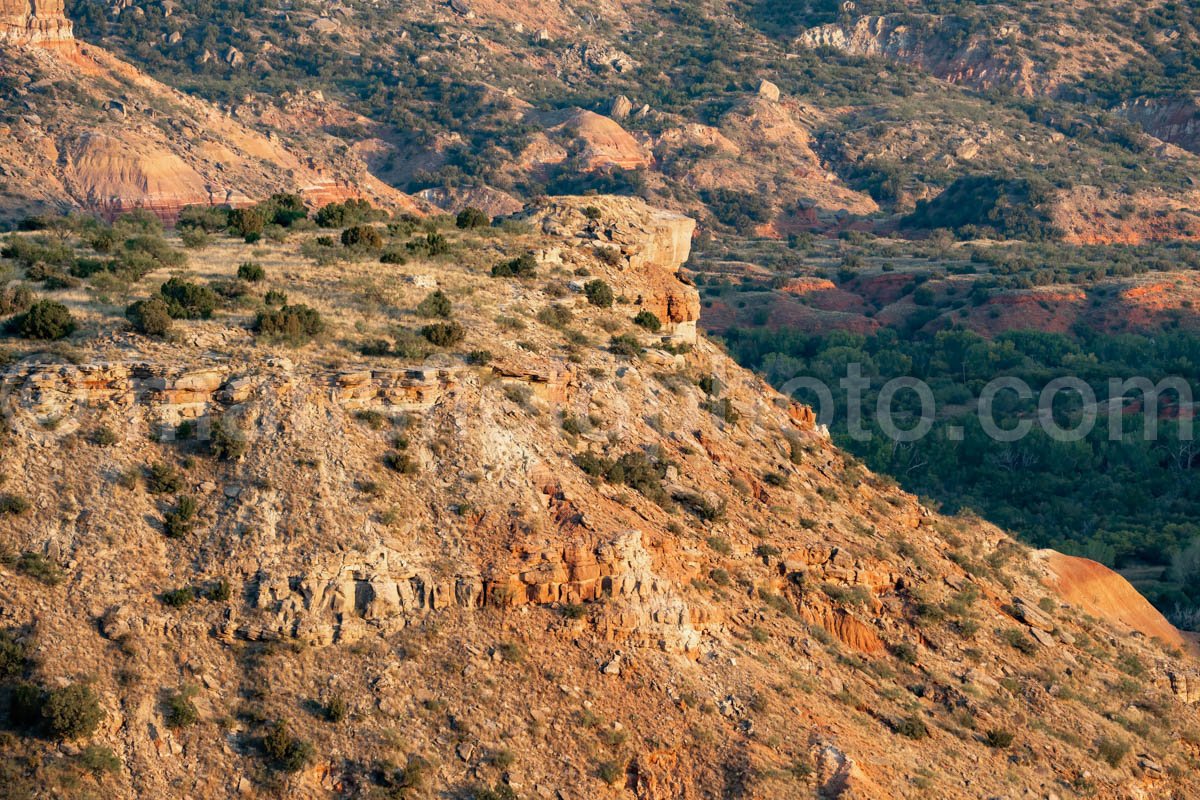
{"type": "Point", "coordinates": [92, 132]}
{"type": "Point", "coordinates": [564, 556]}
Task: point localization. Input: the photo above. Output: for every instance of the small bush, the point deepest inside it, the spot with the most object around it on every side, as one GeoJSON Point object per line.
{"type": "Point", "coordinates": [522, 267]}
{"type": "Point", "coordinates": [443, 334]}
{"type": "Point", "coordinates": [46, 320]}
{"type": "Point", "coordinates": [911, 727]}
{"type": "Point", "coordinates": [435, 304]}
{"type": "Point", "coordinates": [998, 738]}
{"type": "Point", "coordinates": [72, 712]}
{"type": "Point", "coordinates": [471, 217]}
{"type": "Point", "coordinates": [286, 751]}
{"type": "Point", "coordinates": [178, 598]}
{"type": "Point", "coordinates": [150, 317]}
{"type": "Point", "coordinates": [15, 299]}
{"type": "Point", "coordinates": [226, 442]}
{"type": "Point", "coordinates": [14, 659]}
{"type": "Point", "coordinates": [179, 521]}
{"type": "Point", "coordinates": [163, 479]}
{"type": "Point", "coordinates": [40, 568]}
{"type": "Point", "coordinates": [336, 709]}
{"type": "Point", "coordinates": [610, 772]}
{"type": "Point", "coordinates": [555, 316]}
{"type": "Point", "coordinates": [1017, 639]}
{"type": "Point", "coordinates": [351, 212]}
{"type": "Point", "coordinates": [296, 323]}
{"type": "Point", "coordinates": [648, 320]}
{"type": "Point", "coordinates": [1112, 751]}
{"type": "Point", "coordinates": [401, 463]}
{"type": "Point", "coordinates": [625, 345]}
{"type": "Point", "coordinates": [598, 293]}
{"type": "Point", "coordinates": [13, 505]}
{"type": "Point", "coordinates": [186, 300]}
{"type": "Point", "coordinates": [251, 272]}
{"type": "Point", "coordinates": [362, 237]}
{"type": "Point", "coordinates": [179, 711]}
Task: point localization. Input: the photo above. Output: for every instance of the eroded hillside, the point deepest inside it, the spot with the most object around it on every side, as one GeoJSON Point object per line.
{"type": "Point", "coordinates": [477, 530]}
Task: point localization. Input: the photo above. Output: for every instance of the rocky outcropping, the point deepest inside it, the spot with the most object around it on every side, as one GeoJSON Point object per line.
{"type": "Point", "coordinates": [36, 22]}
{"type": "Point", "coordinates": [649, 246]}
{"type": "Point", "coordinates": [1175, 120]}
{"type": "Point", "coordinates": [339, 602]}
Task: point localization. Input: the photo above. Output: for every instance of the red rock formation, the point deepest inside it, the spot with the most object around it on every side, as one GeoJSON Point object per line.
{"type": "Point", "coordinates": [1103, 593]}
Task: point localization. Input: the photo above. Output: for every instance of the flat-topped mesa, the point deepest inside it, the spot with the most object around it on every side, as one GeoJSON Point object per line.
{"type": "Point", "coordinates": [37, 22]}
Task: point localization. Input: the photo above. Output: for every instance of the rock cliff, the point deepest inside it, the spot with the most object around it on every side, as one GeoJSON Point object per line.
{"type": "Point", "coordinates": [35, 22]}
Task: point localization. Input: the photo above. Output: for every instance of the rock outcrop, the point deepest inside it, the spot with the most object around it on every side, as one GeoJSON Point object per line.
{"type": "Point", "coordinates": [35, 22]}
{"type": "Point", "coordinates": [649, 246]}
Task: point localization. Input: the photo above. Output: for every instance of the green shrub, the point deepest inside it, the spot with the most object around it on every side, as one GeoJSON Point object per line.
{"type": "Point", "coordinates": [72, 711]}
{"type": "Point", "coordinates": [186, 300]}
{"type": "Point", "coordinates": [286, 751]}
{"type": "Point", "coordinates": [275, 298]}
{"type": "Point", "coordinates": [362, 237]}
{"type": "Point", "coordinates": [13, 505]}
{"type": "Point", "coordinates": [178, 598]}
{"type": "Point", "coordinates": [1112, 751]}
{"type": "Point", "coordinates": [912, 727]}
{"type": "Point", "coordinates": [14, 658]}
{"type": "Point", "coordinates": [219, 591]}
{"type": "Point", "coordinates": [471, 217]}
{"type": "Point", "coordinates": [295, 324]}
{"type": "Point", "coordinates": [47, 320]}
{"type": "Point", "coordinates": [648, 320]}
{"type": "Point", "coordinates": [351, 212]}
{"type": "Point", "coordinates": [251, 272]}
{"type": "Point", "coordinates": [163, 479]}
{"type": "Point", "coordinates": [194, 238]}
{"type": "Point", "coordinates": [626, 345]}
{"type": "Point", "coordinates": [179, 521]}
{"type": "Point", "coordinates": [150, 317]}
{"type": "Point", "coordinates": [40, 568]}
{"type": "Point", "coordinates": [336, 709]}
{"type": "Point", "coordinates": [226, 442]}
{"type": "Point", "coordinates": [393, 255]}
{"type": "Point", "coordinates": [523, 267]}
{"type": "Point", "coordinates": [599, 293]}
{"type": "Point", "coordinates": [556, 315]}
{"type": "Point", "coordinates": [248, 222]}
{"type": "Point", "coordinates": [443, 334]}
{"type": "Point", "coordinates": [98, 760]}
{"type": "Point", "coordinates": [179, 710]}
{"type": "Point", "coordinates": [433, 244]}
{"type": "Point", "coordinates": [1017, 639]}
{"type": "Point", "coordinates": [401, 463]}
{"type": "Point", "coordinates": [435, 304]}
{"type": "Point", "coordinates": [998, 738]}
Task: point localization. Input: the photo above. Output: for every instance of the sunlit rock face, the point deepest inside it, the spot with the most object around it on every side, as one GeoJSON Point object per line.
{"type": "Point", "coordinates": [40, 22]}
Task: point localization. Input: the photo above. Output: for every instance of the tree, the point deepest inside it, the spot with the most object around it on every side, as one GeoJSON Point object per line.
{"type": "Point", "coordinates": [471, 217]}
{"type": "Point", "coordinates": [150, 317]}
{"type": "Point", "coordinates": [45, 319]}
